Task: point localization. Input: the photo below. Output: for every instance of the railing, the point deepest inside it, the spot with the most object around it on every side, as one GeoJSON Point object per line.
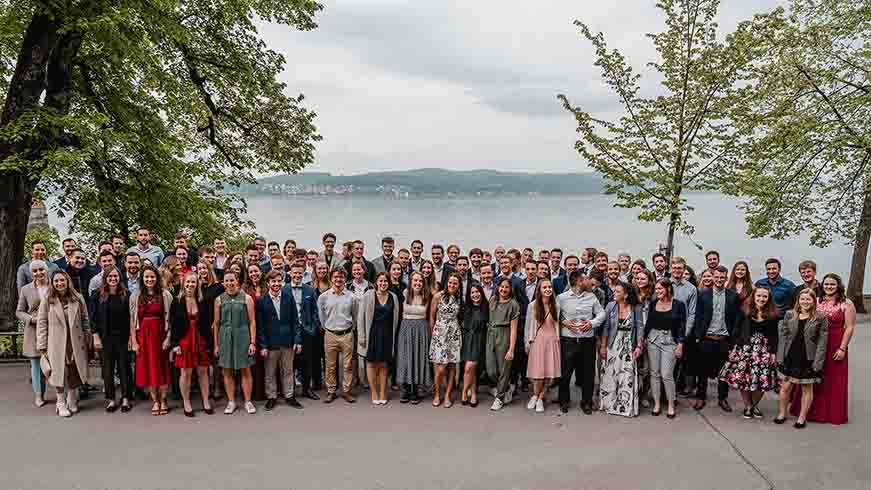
{"type": "Point", "coordinates": [12, 347]}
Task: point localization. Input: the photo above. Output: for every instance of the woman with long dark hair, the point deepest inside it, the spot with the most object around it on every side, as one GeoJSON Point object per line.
{"type": "Point", "coordinates": [111, 315]}
{"type": "Point", "coordinates": [149, 327]}
{"type": "Point", "coordinates": [444, 351]}
{"type": "Point", "coordinates": [740, 281]}
{"type": "Point", "coordinates": [501, 340]}
{"type": "Point", "coordinates": [831, 397]}
{"type": "Point", "coordinates": [412, 344]}
{"type": "Point", "coordinates": [752, 361]}
{"type": "Point", "coordinates": [543, 347]}
{"type": "Point", "coordinates": [476, 313]}
{"type": "Point", "coordinates": [210, 288]}
{"type": "Point", "coordinates": [255, 284]}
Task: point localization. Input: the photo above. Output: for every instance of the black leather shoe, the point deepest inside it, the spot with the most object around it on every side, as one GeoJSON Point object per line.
{"type": "Point", "coordinates": [293, 403]}
{"type": "Point", "coordinates": [724, 405]}
{"type": "Point", "coordinates": [311, 395]}
{"type": "Point", "coordinates": [270, 404]}
{"type": "Point", "coordinates": [564, 408]}
{"type": "Point", "coordinates": [587, 409]}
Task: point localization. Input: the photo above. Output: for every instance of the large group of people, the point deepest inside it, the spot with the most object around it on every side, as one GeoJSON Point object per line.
{"type": "Point", "coordinates": [324, 323]}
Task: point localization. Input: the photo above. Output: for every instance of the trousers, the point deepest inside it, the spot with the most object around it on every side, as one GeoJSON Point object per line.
{"type": "Point", "coordinates": [333, 345]}
{"type": "Point", "coordinates": [116, 358]}
{"type": "Point", "coordinates": [279, 361]}
{"type": "Point", "coordinates": [499, 370]}
{"type": "Point", "coordinates": [578, 357]}
{"type": "Point", "coordinates": [660, 352]}
{"type": "Point", "coordinates": [310, 364]}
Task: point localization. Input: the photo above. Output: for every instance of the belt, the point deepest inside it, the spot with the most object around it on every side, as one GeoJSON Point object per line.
{"type": "Point", "coordinates": [340, 332]}
{"type": "Point", "coordinates": [576, 340]}
{"type": "Point", "coordinates": [716, 338]}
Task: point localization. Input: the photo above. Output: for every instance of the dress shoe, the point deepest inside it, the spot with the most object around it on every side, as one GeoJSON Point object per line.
{"type": "Point", "coordinates": [311, 395]}
{"type": "Point", "coordinates": [188, 414]}
{"type": "Point", "coordinates": [699, 405]}
{"type": "Point", "coordinates": [291, 401]}
{"type": "Point", "coordinates": [331, 397]}
{"type": "Point", "coordinates": [564, 408]}
{"type": "Point", "coordinates": [587, 409]}
{"type": "Point", "coordinates": [724, 405]}
{"type": "Point", "coordinates": [348, 397]}
{"type": "Point", "coordinates": [270, 404]}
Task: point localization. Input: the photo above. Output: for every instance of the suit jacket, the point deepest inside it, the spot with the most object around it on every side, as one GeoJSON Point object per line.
{"type": "Point", "coordinates": [560, 284]}
{"type": "Point", "coordinates": [51, 336]}
{"type": "Point", "coordinates": [179, 322]}
{"type": "Point", "coordinates": [309, 320]}
{"type": "Point", "coordinates": [380, 266]}
{"type": "Point", "coordinates": [447, 269]}
{"type": "Point", "coordinates": [27, 311]}
{"type": "Point", "coordinates": [705, 313]}
{"type": "Point", "coordinates": [370, 270]}
{"type": "Point", "coordinates": [816, 338]}
{"type": "Point", "coordinates": [273, 332]}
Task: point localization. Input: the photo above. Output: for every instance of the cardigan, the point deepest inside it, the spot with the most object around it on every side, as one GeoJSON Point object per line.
{"type": "Point", "coordinates": [179, 322]}
{"type": "Point", "coordinates": [678, 312]}
{"type": "Point", "coordinates": [531, 327]}
{"type": "Point", "coordinates": [134, 309]}
{"type": "Point", "coordinates": [612, 322]}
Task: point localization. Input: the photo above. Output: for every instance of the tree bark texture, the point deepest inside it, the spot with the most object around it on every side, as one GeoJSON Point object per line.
{"type": "Point", "coordinates": [856, 283]}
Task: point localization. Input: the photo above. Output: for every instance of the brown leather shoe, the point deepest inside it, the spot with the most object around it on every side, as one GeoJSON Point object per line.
{"type": "Point", "coordinates": [348, 397]}
{"type": "Point", "coordinates": [330, 398]}
{"type": "Point", "coordinates": [724, 405]}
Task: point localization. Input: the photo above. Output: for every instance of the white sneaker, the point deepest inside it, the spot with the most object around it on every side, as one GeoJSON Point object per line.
{"type": "Point", "coordinates": [509, 395]}
{"type": "Point", "coordinates": [72, 400]}
{"type": "Point", "coordinates": [39, 401]}
{"type": "Point", "coordinates": [383, 402]}
{"type": "Point", "coordinates": [250, 408]}
{"type": "Point", "coordinates": [376, 402]}
{"type": "Point", "coordinates": [497, 405]}
{"type": "Point", "coordinates": [61, 406]}
{"type": "Point", "coordinates": [539, 406]}
{"type": "Point", "coordinates": [531, 404]}
{"type": "Point", "coordinates": [231, 407]}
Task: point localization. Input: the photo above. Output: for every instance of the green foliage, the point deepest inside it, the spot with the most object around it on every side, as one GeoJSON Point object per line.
{"type": "Point", "coordinates": [666, 145]}
{"type": "Point", "coordinates": [47, 235]}
{"type": "Point", "coordinates": [807, 166]}
{"type": "Point", "coordinates": [168, 103]}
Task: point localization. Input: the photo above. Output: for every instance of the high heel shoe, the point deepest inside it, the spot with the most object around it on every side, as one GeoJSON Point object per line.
{"type": "Point", "coordinates": [671, 415]}
{"type": "Point", "coordinates": [189, 414]}
{"type": "Point", "coordinates": [656, 413]}
{"type": "Point", "coordinates": [800, 425]}
{"type": "Point", "coordinates": [208, 411]}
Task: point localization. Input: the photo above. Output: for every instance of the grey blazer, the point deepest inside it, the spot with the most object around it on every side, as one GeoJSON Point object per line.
{"type": "Point", "coordinates": [609, 326]}
{"type": "Point", "coordinates": [816, 338]}
{"type": "Point", "coordinates": [366, 313]}
{"type": "Point", "coordinates": [27, 312]}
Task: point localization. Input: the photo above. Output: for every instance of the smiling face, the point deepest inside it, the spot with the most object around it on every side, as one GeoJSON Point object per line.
{"type": "Point", "coordinates": [416, 250]}
{"type": "Point", "coordinates": [486, 274]}
{"type": "Point", "coordinates": [254, 273]}
{"type": "Point", "coordinates": [661, 292]}
{"type": "Point", "coordinates": [772, 270]}
{"type": "Point", "coordinates": [382, 284]}
{"type": "Point", "coordinates": [808, 274]}
{"type": "Point", "coordinates": [149, 278]}
{"type": "Point", "coordinates": [545, 288]}
{"type": "Point", "coordinates": [426, 269]}
{"type": "Point", "coordinates": [59, 282]}
{"type": "Point", "coordinates": [37, 251]}
{"type": "Point", "coordinates": [190, 285]}
{"type": "Point", "coordinates": [417, 283]}
{"type": "Point", "coordinates": [395, 272]}
{"type": "Point", "coordinates": [760, 297]}
{"type": "Point", "coordinates": [453, 285]}
{"type": "Point", "coordinates": [113, 278]}
{"type": "Point", "coordinates": [475, 296]}
{"type": "Point", "coordinates": [504, 290]}
{"type": "Point", "coordinates": [39, 273]}
{"type": "Point", "coordinates": [437, 255]}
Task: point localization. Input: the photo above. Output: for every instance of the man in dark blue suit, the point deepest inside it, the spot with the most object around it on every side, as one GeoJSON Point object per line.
{"type": "Point", "coordinates": [279, 338]}
{"type": "Point", "coordinates": [561, 282]}
{"type": "Point", "coordinates": [305, 298]}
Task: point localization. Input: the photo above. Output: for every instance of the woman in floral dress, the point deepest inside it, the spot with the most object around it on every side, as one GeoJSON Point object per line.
{"type": "Point", "coordinates": [446, 338]}
{"type": "Point", "coordinates": [751, 367]}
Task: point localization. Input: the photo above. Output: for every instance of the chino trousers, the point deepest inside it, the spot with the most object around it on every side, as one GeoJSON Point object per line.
{"type": "Point", "coordinates": [578, 357]}
{"type": "Point", "coordinates": [279, 361]}
{"type": "Point", "coordinates": [334, 344]}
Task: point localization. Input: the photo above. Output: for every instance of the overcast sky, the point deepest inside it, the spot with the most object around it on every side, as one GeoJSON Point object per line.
{"type": "Point", "coordinates": [401, 84]}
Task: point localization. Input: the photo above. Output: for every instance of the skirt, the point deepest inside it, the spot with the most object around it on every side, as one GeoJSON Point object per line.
{"type": "Point", "coordinates": [544, 356]}
{"type": "Point", "coordinates": [412, 353]}
{"type": "Point", "coordinates": [194, 352]}
{"type": "Point", "coordinates": [152, 361]}
{"type": "Point", "coordinates": [618, 385]}
{"type": "Point", "coordinates": [750, 367]}
{"type": "Point", "coordinates": [233, 345]}
{"type": "Point", "coordinates": [473, 345]}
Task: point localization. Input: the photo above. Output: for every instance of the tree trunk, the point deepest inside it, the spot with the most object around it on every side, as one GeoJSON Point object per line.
{"type": "Point", "coordinates": [856, 283]}
{"type": "Point", "coordinates": [15, 207]}
{"type": "Point", "coordinates": [669, 246]}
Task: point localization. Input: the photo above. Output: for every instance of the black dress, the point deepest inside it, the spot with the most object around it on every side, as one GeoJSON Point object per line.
{"type": "Point", "coordinates": [797, 366]}
{"type": "Point", "coordinates": [380, 348]}
{"type": "Point", "coordinates": [474, 329]}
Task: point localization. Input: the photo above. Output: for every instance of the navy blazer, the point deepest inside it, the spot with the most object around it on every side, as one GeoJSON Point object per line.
{"type": "Point", "coordinates": [560, 285]}
{"type": "Point", "coordinates": [274, 333]}
{"type": "Point", "coordinates": [308, 316]}
{"type": "Point", "coordinates": [705, 312]}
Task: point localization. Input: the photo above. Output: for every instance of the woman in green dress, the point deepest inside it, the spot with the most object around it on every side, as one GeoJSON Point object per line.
{"type": "Point", "coordinates": [235, 331]}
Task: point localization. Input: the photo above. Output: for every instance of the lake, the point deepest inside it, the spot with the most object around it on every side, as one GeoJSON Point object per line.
{"type": "Point", "coordinates": [568, 222]}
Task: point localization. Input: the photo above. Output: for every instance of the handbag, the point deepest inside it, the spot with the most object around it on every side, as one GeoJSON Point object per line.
{"type": "Point", "coordinates": [45, 365]}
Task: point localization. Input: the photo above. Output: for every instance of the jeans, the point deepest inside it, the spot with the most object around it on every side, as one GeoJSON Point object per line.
{"type": "Point", "coordinates": [37, 379]}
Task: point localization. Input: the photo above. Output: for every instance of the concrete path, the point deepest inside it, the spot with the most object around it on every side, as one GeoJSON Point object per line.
{"type": "Point", "coordinates": [359, 446]}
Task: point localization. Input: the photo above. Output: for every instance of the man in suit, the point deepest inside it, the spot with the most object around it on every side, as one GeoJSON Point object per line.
{"type": "Point", "coordinates": [304, 297]}
{"type": "Point", "coordinates": [68, 245]}
{"type": "Point", "coordinates": [465, 274]}
{"type": "Point", "coordinates": [561, 282]}
{"type": "Point", "coordinates": [711, 337]}
{"type": "Point", "coordinates": [382, 264]}
{"type": "Point", "coordinates": [556, 258]}
{"type": "Point", "coordinates": [441, 269]}
{"type": "Point", "coordinates": [279, 338]}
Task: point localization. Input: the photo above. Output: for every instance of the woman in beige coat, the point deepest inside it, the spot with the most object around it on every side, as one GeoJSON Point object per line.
{"type": "Point", "coordinates": [61, 326]}
{"type": "Point", "coordinates": [29, 299]}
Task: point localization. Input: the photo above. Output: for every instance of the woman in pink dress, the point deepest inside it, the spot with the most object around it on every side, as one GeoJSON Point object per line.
{"type": "Point", "coordinates": [831, 397]}
{"type": "Point", "coordinates": [543, 347]}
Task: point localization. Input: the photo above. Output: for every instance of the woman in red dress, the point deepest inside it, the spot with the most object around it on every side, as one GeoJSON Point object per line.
{"type": "Point", "coordinates": [190, 334]}
{"type": "Point", "coordinates": [831, 396]}
{"type": "Point", "coordinates": [149, 325]}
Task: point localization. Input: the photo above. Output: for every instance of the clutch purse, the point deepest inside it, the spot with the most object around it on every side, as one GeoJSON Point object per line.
{"type": "Point", "coordinates": [45, 365]}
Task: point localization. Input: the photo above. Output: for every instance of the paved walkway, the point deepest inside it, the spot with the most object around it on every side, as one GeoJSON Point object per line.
{"type": "Point", "coordinates": [341, 446]}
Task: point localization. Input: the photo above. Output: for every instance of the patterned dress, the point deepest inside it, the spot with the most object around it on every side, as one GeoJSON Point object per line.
{"type": "Point", "coordinates": [447, 340]}
{"type": "Point", "coordinates": [750, 366]}
{"type": "Point", "coordinates": [618, 389]}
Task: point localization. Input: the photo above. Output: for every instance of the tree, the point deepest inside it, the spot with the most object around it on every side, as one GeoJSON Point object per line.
{"type": "Point", "coordinates": [141, 112]}
{"type": "Point", "coordinates": [807, 169]}
{"type": "Point", "coordinates": [666, 145]}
